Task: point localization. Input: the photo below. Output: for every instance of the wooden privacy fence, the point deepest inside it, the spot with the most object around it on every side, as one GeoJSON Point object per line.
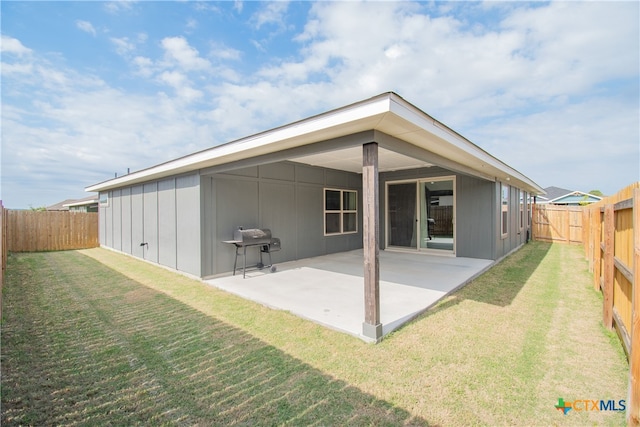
{"type": "Point", "coordinates": [34, 231]}
{"type": "Point", "coordinates": [555, 223]}
{"type": "Point", "coordinates": [612, 246]}
{"type": "Point", "coordinates": [3, 249]}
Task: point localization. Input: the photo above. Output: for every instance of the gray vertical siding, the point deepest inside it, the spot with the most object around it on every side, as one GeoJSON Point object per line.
{"type": "Point", "coordinates": [102, 220]}
{"type": "Point", "coordinates": [236, 206]}
{"type": "Point", "coordinates": [474, 218]}
{"type": "Point", "coordinates": [515, 236]}
{"type": "Point", "coordinates": [137, 222]}
{"type": "Point", "coordinates": [310, 241]}
{"type": "Point", "coordinates": [188, 231]}
{"type": "Point", "coordinates": [284, 197]}
{"type": "Point", "coordinates": [116, 223]}
{"type": "Point", "coordinates": [167, 222]}
{"type": "Point", "coordinates": [278, 209]}
{"type": "Point", "coordinates": [184, 219]}
{"type": "Point", "coordinates": [150, 221]}
{"type": "Point", "coordinates": [478, 231]}
{"type": "Point", "coordinates": [125, 218]}
{"type": "Point", "coordinates": [163, 214]}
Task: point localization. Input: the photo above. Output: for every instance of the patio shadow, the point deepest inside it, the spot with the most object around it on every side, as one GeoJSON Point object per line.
{"type": "Point", "coordinates": [502, 283]}
{"type": "Point", "coordinates": [83, 344]}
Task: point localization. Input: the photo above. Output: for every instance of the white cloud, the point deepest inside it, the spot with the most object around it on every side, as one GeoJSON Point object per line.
{"type": "Point", "coordinates": [600, 150]}
{"type": "Point", "coordinates": [191, 24]}
{"type": "Point", "coordinates": [221, 51]}
{"type": "Point", "coordinates": [144, 66]}
{"type": "Point", "coordinates": [180, 54]}
{"type": "Point", "coordinates": [542, 71]}
{"type": "Point", "coordinates": [86, 26]}
{"type": "Point", "coordinates": [272, 13]}
{"type": "Point", "coordinates": [123, 45]}
{"type": "Point", "coordinates": [117, 6]}
{"type": "Point", "coordinates": [550, 88]}
{"type": "Point", "coordinates": [13, 46]}
{"type": "Point", "coordinates": [181, 84]}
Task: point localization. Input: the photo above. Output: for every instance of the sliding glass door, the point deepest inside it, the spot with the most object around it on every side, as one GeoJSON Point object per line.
{"type": "Point", "coordinates": [402, 215]}
{"type": "Point", "coordinates": [437, 214]}
{"type": "Point", "coordinates": [421, 214]}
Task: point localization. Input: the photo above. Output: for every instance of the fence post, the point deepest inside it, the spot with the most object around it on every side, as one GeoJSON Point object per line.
{"type": "Point", "coordinates": [597, 248]}
{"type": "Point", "coordinates": [609, 225]}
{"type": "Point", "coordinates": [567, 240]}
{"type": "Point", "coordinates": [3, 250]}
{"type": "Point", "coordinates": [633, 413]}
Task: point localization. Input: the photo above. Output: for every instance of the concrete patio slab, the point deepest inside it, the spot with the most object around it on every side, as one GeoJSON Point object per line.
{"type": "Point", "coordinates": [330, 290]}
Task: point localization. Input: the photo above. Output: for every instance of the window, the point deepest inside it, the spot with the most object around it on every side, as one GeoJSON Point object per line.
{"type": "Point", "coordinates": [504, 218]}
{"type": "Point", "coordinates": [522, 200]}
{"type": "Point", "coordinates": [340, 211]}
{"type": "Point", "coordinates": [104, 200]}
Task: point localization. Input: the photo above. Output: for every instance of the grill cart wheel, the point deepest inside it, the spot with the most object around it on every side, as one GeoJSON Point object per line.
{"type": "Point", "coordinates": [273, 268]}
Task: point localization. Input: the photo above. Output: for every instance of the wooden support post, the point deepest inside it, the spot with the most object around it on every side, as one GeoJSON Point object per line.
{"type": "Point", "coordinates": [608, 274]}
{"type": "Point", "coordinates": [633, 411]}
{"type": "Point", "coordinates": [371, 326]}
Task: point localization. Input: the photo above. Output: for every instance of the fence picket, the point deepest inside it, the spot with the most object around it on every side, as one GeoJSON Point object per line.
{"type": "Point", "coordinates": [610, 233]}
{"type": "Point", "coordinates": [33, 231]}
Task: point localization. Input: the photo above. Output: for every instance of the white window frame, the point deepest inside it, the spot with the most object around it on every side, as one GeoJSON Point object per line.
{"type": "Point", "coordinates": [504, 210]}
{"type": "Point", "coordinates": [342, 211]}
{"type": "Point", "coordinates": [522, 198]}
{"type": "Point", "coordinates": [529, 210]}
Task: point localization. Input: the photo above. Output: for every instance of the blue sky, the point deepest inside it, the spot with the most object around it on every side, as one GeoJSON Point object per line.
{"type": "Point", "coordinates": [90, 89]}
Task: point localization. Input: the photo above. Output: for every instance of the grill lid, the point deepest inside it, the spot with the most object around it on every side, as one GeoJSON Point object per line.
{"type": "Point", "coordinates": [252, 236]}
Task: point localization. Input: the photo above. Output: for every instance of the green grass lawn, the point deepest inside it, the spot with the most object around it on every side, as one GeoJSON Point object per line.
{"type": "Point", "coordinates": [97, 338]}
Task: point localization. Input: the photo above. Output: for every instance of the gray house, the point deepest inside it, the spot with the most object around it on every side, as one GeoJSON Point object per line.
{"type": "Point", "coordinates": [377, 174]}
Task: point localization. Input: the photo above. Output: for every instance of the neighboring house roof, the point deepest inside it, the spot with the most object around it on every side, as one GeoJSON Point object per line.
{"type": "Point", "coordinates": [562, 196]}
{"type": "Point", "coordinates": [554, 192]}
{"type": "Point", "coordinates": [575, 198]}
{"type": "Point", "coordinates": [91, 200]}
{"type": "Point", "coordinates": [65, 204]}
{"type": "Point", "coordinates": [60, 206]}
{"type": "Point", "coordinates": [387, 114]}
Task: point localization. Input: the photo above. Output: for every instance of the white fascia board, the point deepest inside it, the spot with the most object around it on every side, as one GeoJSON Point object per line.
{"type": "Point", "coordinates": [420, 119]}
{"type": "Point", "coordinates": [86, 202]}
{"type": "Point", "coordinates": [256, 144]}
{"type": "Point", "coordinates": [573, 193]}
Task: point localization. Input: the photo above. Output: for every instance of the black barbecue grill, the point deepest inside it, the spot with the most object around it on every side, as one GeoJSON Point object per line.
{"type": "Point", "coordinates": [254, 237]}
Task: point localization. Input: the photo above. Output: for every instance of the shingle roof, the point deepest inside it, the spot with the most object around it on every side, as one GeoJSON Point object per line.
{"type": "Point", "coordinates": [555, 192]}
{"type": "Point", "coordinates": [59, 206]}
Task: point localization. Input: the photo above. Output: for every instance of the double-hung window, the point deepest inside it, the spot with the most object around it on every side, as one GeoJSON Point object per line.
{"type": "Point", "coordinates": [340, 211]}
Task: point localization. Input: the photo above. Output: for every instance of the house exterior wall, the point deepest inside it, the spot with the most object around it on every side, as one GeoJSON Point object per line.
{"type": "Point", "coordinates": [163, 214]}
{"type": "Point", "coordinates": [478, 201]}
{"type": "Point", "coordinates": [84, 208]}
{"type": "Point", "coordinates": [516, 236]}
{"type": "Point", "coordinates": [184, 219]}
{"type": "Point", "coordinates": [475, 209]}
{"type": "Point", "coordinates": [284, 197]}
{"type": "Point", "coordinates": [475, 213]}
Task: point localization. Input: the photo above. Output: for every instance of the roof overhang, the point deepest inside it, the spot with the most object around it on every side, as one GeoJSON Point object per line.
{"type": "Point", "coordinates": [387, 113]}
{"type": "Point", "coordinates": [81, 203]}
